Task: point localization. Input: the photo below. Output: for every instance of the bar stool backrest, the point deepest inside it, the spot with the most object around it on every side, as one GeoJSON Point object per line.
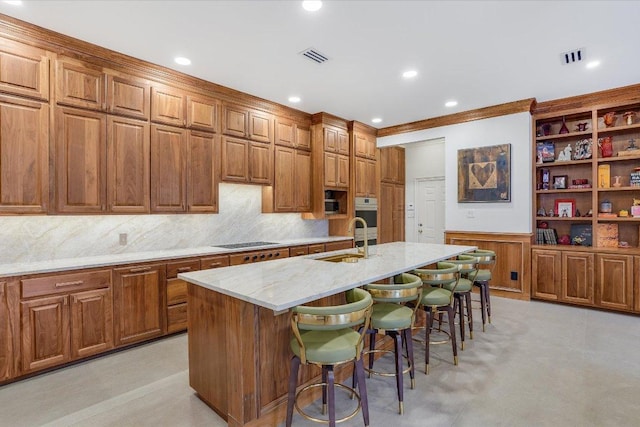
{"type": "Point", "coordinates": [355, 313]}
{"type": "Point", "coordinates": [406, 287]}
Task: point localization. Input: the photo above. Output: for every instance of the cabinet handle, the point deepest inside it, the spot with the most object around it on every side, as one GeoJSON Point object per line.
{"type": "Point", "coordinates": [139, 270]}
{"type": "Point", "coordinates": [300, 253]}
{"type": "Point", "coordinates": [217, 264]}
{"type": "Point", "coordinates": [65, 284]}
{"type": "Point", "coordinates": [262, 256]}
{"type": "Point", "coordinates": [246, 258]}
{"type": "Point", "coordinates": [183, 269]}
{"type": "Point", "coordinates": [255, 257]}
{"type": "Point", "coordinates": [277, 253]}
{"type": "Point", "coordinates": [270, 255]}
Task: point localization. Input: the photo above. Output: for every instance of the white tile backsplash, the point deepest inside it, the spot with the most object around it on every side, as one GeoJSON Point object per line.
{"type": "Point", "coordinates": [38, 238]}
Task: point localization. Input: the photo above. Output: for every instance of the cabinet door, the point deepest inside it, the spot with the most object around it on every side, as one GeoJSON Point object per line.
{"type": "Point", "coordinates": [285, 132]}
{"type": "Point", "coordinates": [203, 160]}
{"type": "Point", "coordinates": [24, 155]}
{"type": "Point", "coordinates": [545, 274]}
{"type": "Point", "coordinates": [128, 165]}
{"type": "Point", "coordinates": [80, 160]}
{"type": "Point", "coordinates": [361, 177]}
{"type": "Point", "coordinates": [636, 288]}
{"type": "Point", "coordinates": [336, 246]}
{"type": "Point", "coordinates": [302, 181]}
{"type": "Point", "coordinates": [398, 213]}
{"type": "Point", "coordinates": [202, 113]}
{"type": "Point", "coordinates": [360, 145]}
{"type": "Point", "coordinates": [284, 181]}
{"type": "Point", "coordinates": [316, 248]}
{"type": "Point", "coordinates": [9, 329]}
{"type": "Point", "coordinates": [24, 70]}
{"type": "Point", "coordinates": [45, 332]}
{"type": "Point", "coordinates": [80, 86]}
{"type": "Point", "coordinates": [371, 181]}
{"type": "Point", "coordinates": [303, 137]}
{"type": "Point", "coordinates": [139, 302]}
{"type": "Point", "coordinates": [91, 322]}
{"type": "Point", "coordinates": [128, 96]}
{"type": "Point", "coordinates": [577, 277]}
{"type": "Point", "coordinates": [168, 169]}
{"type": "Point", "coordinates": [343, 171]}
{"type": "Point", "coordinates": [260, 127]}
{"type": "Point", "coordinates": [214, 262]}
{"type": "Point", "coordinates": [614, 281]}
{"type": "Point", "coordinates": [168, 106]}
{"type": "Point", "coordinates": [392, 165]}
{"type": "Point", "coordinates": [235, 160]}
{"type": "Point", "coordinates": [372, 149]}
{"type": "Point", "coordinates": [298, 250]}
{"type": "Point", "coordinates": [235, 120]}
{"type": "Point", "coordinates": [330, 169]}
{"type": "Point", "coordinates": [260, 163]}
{"type": "Point", "coordinates": [385, 213]}
{"type": "Point", "coordinates": [343, 143]}
{"type": "Point", "coordinates": [330, 140]}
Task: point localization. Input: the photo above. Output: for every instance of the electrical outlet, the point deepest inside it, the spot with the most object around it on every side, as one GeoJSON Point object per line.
{"type": "Point", "coordinates": [514, 275]}
{"type": "Point", "coordinates": [123, 239]}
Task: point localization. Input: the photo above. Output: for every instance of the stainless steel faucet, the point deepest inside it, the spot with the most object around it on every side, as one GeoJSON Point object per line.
{"type": "Point", "coordinates": [366, 240]}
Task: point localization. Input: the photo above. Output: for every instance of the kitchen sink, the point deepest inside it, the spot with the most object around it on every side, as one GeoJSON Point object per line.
{"type": "Point", "coordinates": [342, 258]}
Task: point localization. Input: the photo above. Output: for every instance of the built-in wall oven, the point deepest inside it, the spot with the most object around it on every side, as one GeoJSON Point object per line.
{"type": "Point", "coordinates": [367, 209]}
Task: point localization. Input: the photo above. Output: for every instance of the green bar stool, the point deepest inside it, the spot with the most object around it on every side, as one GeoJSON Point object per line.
{"type": "Point", "coordinates": [391, 317]}
{"type": "Point", "coordinates": [486, 263]}
{"type": "Point", "coordinates": [437, 299]}
{"type": "Point", "coordinates": [325, 336]}
{"type": "Point", "coordinates": [467, 267]}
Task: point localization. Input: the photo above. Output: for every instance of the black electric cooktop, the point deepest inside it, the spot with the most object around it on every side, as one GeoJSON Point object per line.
{"type": "Point", "coordinates": [244, 245]}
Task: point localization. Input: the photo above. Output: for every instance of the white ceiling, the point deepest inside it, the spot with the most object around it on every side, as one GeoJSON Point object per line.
{"type": "Point", "coordinates": [479, 53]}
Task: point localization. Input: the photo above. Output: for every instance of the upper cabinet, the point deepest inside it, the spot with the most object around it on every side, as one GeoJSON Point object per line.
{"type": "Point", "coordinates": [292, 134]}
{"type": "Point", "coordinates": [202, 113]}
{"type": "Point", "coordinates": [392, 165]}
{"type": "Point", "coordinates": [168, 106]}
{"type": "Point", "coordinates": [336, 140]}
{"type": "Point", "coordinates": [128, 96]}
{"type": "Point", "coordinates": [365, 160]}
{"type": "Point", "coordinates": [24, 70]}
{"type": "Point", "coordinates": [244, 122]}
{"type": "Point", "coordinates": [365, 145]}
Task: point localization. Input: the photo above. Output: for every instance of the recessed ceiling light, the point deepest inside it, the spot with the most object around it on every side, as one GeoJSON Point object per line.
{"type": "Point", "coordinates": [312, 5]}
{"type": "Point", "coordinates": [376, 120]}
{"type": "Point", "coordinates": [451, 103]}
{"type": "Point", "coordinates": [182, 60]}
{"type": "Point", "coordinates": [409, 74]}
{"type": "Point", "coordinates": [294, 99]}
{"type": "Point", "coordinates": [14, 2]}
{"type": "Point", "coordinates": [592, 64]}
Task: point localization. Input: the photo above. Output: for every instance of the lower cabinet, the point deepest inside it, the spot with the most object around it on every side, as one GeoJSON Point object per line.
{"type": "Point", "coordinates": [577, 278]}
{"type": "Point", "coordinates": [139, 294]}
{"type": "Point", "coordinates": [391, 213]}
{"type": "Point", "coordinates": [614, 281]}
{"type": "Point", "coordinates": [177, 294]}
{"type": "Point", "coordinates": [546, 274]}
{"type": "Point", "coordinates": [9, 329]}
{"type": "Point", "coordinates": [335, 246]}
{"type": "Point", "coordinates": [91, 322]}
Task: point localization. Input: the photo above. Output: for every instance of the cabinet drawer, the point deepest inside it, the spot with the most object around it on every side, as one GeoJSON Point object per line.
{"type": "Point", "coordinates": [64, 283]}
{"type": "Point", "coordinates": [176, 291]}
{"type": "Point", "coordinates": [316, 249]}
{"type": "Point", "coordinates": [214, 262]}
{"type": "Point", "coordinates": [298, 250]}
{"type": "Point", "coordinates": [177, 318]}
{"type": "Point", "coordinates": [257, 256]}
{"type": "Point", "coordinates": [174, 268]}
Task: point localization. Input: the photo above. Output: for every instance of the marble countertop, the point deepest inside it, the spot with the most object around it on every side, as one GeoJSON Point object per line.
{"type": "Point", "coordinates": [18, 269]}
{"type": "Point", "coordinates": [285, 283]}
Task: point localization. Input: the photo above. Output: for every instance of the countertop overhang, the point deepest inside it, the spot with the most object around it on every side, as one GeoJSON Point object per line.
{"type": "Point", "coordinates": [281, 284]}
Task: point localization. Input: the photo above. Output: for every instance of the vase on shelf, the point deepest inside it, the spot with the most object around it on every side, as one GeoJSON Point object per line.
{"type": "Point", "coordinates": [564, 128]}
{"type": "Point", "coordinates": [609, 119]}
{"type": "Point", "coordinates": [628, 117]}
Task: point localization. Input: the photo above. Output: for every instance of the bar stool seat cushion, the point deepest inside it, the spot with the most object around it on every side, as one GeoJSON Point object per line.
{"type": "Point", "coordinates": [435, 296]}
{"type": "Point", "coordinates": [482, 276]}
{"type": "Point", "coordinates": [464, 285]}
{"type": "Point", "coordinates": [328, 347]}
{"type": "Point", "coordinates": [391, 316]}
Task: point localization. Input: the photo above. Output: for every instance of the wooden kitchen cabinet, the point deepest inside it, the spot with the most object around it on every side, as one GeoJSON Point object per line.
{"type": "Point", "coordinates": [366, 183]}
{"type": "Point", "coordinates": [214, 262]}
{"type": "Point", "coordinates": [364, 145]}
{"type": "Point", "coordinates": [80, 160]}
{"type": "Point", "coordinates": [298, 250]}
{"type": "Point", "coordinates": [9, 329]}
{"type": "Point", "coordinates": [128, 177]}
{"type": "Point", "coordinates": [177, 294]}
{"type": "Point", "coordinates": [392, 165]}
{"type": "Point", "coordinates": [202, 113]}
{"type": "Point", "coordinates": [291, 191]}
{"type": "Point", "coordinates": [91, 322]}
{"type": "Point", "coordinates": [336, 140]}
{"type": "Point", "coordinates": [289, 133]}
{"type": "Point", "coordinates": [317, 248]}
{"type": "Point", "coordinates": [577, 278]}
{"type": "Point", "coordinates": [636, 286]}
{"type": "Point", "coordinates": [24, 70]}
{"type": "Point", "coordinates": [546, 274]}
{"type": "Point", "coordinates": [203, 171]}
{"type": "Point", "coordinates": [335, 246]}
{"type": "Point", "coordinates": [336, 170]}
{"type": "Point", "coordinates": [168, 106]}
{"type": "Point", "coordinates": [614, 281]}
{"type": "Point", "coordinates": [391, 213]}
{"type": "Point", "coordinates": [244, 122]}
{"type": "Point", "coordinates": [258, 256]}
{"type": "Point", "coordinates": [168, 169]}
{"type": "Point", "coordinates": [247, 162]}
{"type": "Point", "coordinates": [128, 96]}
{"type": "Point", "coordinates": [80, 85]}
{"type": "Point", "coordinates": [24, 160]}
{"type": "Point", "coordinates": [139, 300]}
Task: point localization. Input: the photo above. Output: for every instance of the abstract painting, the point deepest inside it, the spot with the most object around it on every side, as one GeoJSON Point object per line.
{"type": "Point", "coordinates": [484, 174]}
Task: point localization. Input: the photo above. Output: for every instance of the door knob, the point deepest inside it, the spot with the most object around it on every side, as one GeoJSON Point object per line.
{"type": "Point", "coordinates": [419, 231]}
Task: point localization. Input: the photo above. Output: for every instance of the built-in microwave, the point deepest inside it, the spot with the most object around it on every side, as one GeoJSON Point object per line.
{"type": "Point", "coordinates": [331, 206]}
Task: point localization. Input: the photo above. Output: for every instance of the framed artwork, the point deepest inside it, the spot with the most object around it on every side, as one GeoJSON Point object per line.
{"type": "Point", "coordinates": [565, 208]}
{"type": "Point", "coordinates": [560, 182]}
{"type": "Point", "coordinates": [484, 174]}
{"type": "Point", "coordinates": [582, 149]}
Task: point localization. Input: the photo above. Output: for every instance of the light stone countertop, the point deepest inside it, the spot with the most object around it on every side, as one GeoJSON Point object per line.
{"type": "Point", "coordinates": [285, 283]}
{"type": "Point", "coordinates": [50, 266]}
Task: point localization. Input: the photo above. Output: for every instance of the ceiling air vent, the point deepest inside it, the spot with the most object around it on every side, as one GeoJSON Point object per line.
{"type": "Point", "coordinates": [573, 56]}
{"type": "Point", "coordinates": [314, 55]}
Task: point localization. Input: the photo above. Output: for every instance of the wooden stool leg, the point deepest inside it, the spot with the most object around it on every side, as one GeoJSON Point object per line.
{"type": "Point", "coordinates": [452, 327]}
{"type": "Point", "coordinates": [293, 382]}
{"type": "Point", "coordinates": [467, 297]}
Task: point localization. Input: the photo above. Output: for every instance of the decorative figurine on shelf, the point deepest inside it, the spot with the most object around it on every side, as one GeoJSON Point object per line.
{"type": "Point", "coordinates": [565, 213]}
{"type": "Point", "coordinates": [581, 127]}
{"type": "Point", "coordinates": [550, 212]}
{"type": "Point", "coordinates": [623, 213]}
{"type": "Point", "coordinates": [617, 181]}
{"type": "Point", "coordinates": [609, 119]}
{"type": "Point", "coordinates": [635, 209]}
{"type": "Point", "coordinates": [589, 214]}
{"type": "Point", "coordinates": [546, 129]}
{"type": "Point", "coordinates": [628, 117]}
{"type": "Point", "coordinates": [577, 214]}
{"type": "Point", "coordinates": [563, 128]}
{"type": "Point", "coordinates": [565, 239]}
{"type": "Point", "coordinates": [541, 212]}
{"type": "Point", "coordinates": [565, 155]}
{"type": "Point", "coordinates": [606, 146]}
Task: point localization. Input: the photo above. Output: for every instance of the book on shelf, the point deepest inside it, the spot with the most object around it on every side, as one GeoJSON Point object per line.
{"type": "Point", "coordinates": [607, 235]}
{"type": "Point", "coordinates": [540, 236]}
{"type": "Point", "coordinates": [604, 176]}
{"type": "Point", "coordinates": [550, 236]}
{"type": "Point", "coordinates": [581, 234]}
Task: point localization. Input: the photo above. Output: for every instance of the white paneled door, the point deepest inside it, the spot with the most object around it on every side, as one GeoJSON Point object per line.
{"type": "Point", "coordinates": [429, 223]}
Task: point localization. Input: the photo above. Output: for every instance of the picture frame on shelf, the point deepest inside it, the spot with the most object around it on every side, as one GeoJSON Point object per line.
{"type": "Point", "coordinates": [582, 234]}
{"type": "Point", "coordinates": [545, 152]}
{"type": "Point", "coordinates": [565, 208]}
{"type": "Point", "coordinates": [583, 149]}
{"type": "Point", "coordinates": [560, 182]}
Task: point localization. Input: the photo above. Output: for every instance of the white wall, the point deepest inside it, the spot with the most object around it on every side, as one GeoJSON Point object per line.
{"type": "Point", "coordinates": [36, 238]}
{"type": "Point", "coordinates": [515, 129]}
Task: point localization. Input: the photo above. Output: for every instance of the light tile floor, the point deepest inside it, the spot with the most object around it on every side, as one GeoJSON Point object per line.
{"type": "Point", "coordinates": [538, 364]}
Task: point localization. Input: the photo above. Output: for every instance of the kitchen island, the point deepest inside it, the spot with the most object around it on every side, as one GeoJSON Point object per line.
{"type": "Point", "coordinates": [238, 322]}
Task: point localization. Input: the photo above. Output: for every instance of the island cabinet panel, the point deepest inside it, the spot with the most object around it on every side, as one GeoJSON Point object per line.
{"type": "Point", "coordinates": [9, 329]}
{"type": "Point", "coordinates": [45, 332]}
{"type": "Point", "coordinates": [128, 96]}
{"type": "Point", "coordinates": [168, 106]}
{"type": "Point", "coordinates": [24, 155]}
{"type": "Point", "coordinates": [577, 277]}
{"type": "Point", "coordinates": [81, 138]}
{"type": "Point", "coordinates": [614, 281]}
{"type": "Point", "coordinates": [80, 85]}
{"type": "Point", "coordinates": [139, 303]}
{"type": "Point", "coordinates": [546, 274]}
{"type": "Point", "coordinates": [168, 169]}
{"type": "Point", "coordinates": [24, 70]}
{"type": "Point", "coordinates": [128, 151]}
{"type": "Point", "coordinates": [203, 172]}
{"type": "Point", "coordinates": [91, 322]}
